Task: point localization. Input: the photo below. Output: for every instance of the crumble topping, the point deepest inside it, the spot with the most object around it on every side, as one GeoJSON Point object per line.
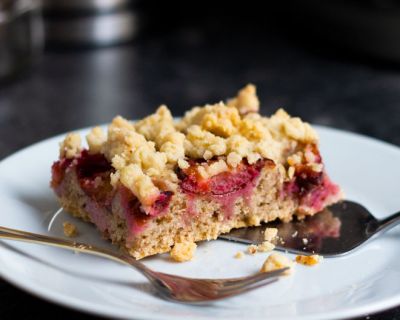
{"type": "Point", "coordinates": [160, 128]}
{"type": "Point", "coordinates": [95, 139]}
{"type": "Point", "coordinates": [71, 146]}
{"type": "Point", "coordinates": [309, 260]}
{"type": "Point", "coordinates": [145, 154]}
{"type": "Point", "coordinates": [277, 261]}
{"type": "Point", "coordinates": [183, 251]}
{"type": "Point", "coordinates": [139, 183]}
{"type": "Point", "coordinates": [70, 230]}
{"type": "Point", "coordinates": [246, 100]}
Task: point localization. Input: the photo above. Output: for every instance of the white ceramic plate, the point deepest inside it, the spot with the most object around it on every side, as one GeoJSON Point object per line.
{"type": "Point", "coordinates": [364, 282]}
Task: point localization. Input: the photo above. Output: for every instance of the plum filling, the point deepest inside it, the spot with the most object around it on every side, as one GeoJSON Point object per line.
{"type": "Point", "coordinates": [221, 184]}
{"type": "Point", "coordinates": [313, 189]}
{"type": "Point", "coordinates": [304, 181]}
{"type": "Point", "coordinates": [93, 174]}
{"type": "Point", "coordinates": [89, 166]}
{"type": "Point", "coordinates": [320, 196]}
{"type": "Point", "coordinates": [225, 187]}
{"type": "Point", "coordinates": [136, 216]}
{"type": "Point", "coordinates": [58, 171]}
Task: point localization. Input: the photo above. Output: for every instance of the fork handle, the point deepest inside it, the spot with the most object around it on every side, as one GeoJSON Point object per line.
{"type": "Point", "coordinates": [24, 236]}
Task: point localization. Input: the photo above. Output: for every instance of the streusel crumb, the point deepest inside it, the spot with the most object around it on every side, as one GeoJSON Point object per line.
{"type": "Point", "coordinates": [229, 133]}
{"type": "Point", "coordinates": [309, 260]}
{"type": "Point", "coordinates": [239, 255]}
{"type": "Point", "coordinates": [246, 100]}
{"type": "Point", "coordinates": [71, 146]}
{"type": "Point", "coordinates": [95, 139]}
{"type": "Point", "coordinates": [141, 185]}
{"type": "Point", "coordinates": [277, 261]}
{"type": "Point", "coordinates": [270, 234]}
{"type": "Point", "coordinates": [70, 230]}
{"type": "Point", "coordinates": [183, 251]}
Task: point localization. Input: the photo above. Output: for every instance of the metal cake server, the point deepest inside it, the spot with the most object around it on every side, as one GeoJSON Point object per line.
{"type": "Point", "coordinates": [337, 230]}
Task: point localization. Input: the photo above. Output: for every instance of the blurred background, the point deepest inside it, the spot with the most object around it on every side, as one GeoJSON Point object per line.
{"type": "Point", "coordinates": [66, 64]}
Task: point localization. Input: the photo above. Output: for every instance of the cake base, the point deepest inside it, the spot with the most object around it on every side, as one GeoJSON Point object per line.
{"type": "Point", "coordinates": [187, 217]}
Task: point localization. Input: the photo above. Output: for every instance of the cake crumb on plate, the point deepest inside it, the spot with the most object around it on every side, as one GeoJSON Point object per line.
{"type": "Point", "coordinates": [70, 230]}
{"type": "Point", "coordinates": [239, 255]}
{"type": "Point", "coordinates": [183, 251]}
{"type": "Point", "coordinates": [252, 249]}
{"type": "Point", "coordinates": [277, 261]}
{"type": "Point", "coordinates": [309, 260]}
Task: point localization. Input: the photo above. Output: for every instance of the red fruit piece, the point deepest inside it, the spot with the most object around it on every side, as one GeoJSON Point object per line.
{"type": "Point", "coordinates": [91, 165]}
{"type": "Point", "coordinates": [58, 170]}
{"type": "Point", "coordinates": [223, 183]}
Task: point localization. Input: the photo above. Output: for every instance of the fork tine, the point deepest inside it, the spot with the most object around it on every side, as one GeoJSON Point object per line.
{"type": "Point", "coordinates": [252, 284]}
{"type": "Point", "coordinates": [222, 293]}
{"type": "Point", "coordinates": [230, 292]}
{"type": "Point", "coordinates": [240, 290]}
{"type": "Point", "coordinates": [245, 281]}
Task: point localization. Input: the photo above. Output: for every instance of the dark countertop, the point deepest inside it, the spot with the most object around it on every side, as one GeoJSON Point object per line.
{"type": "Point", "coordinates": [69, 90]}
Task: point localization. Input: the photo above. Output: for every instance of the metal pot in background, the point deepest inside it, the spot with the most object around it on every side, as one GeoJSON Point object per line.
{"type": "Point", "coordinates": [21, 36]}
{"type": "Point", "coordinates": [89, 22]}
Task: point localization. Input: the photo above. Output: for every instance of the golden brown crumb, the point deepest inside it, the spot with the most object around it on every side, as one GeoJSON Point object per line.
{"type": "Point", "coordinates": [183, 164]}
{"type": "Point", "coordinates": [270, 234]}
{"type": "Point", "coordinates": [239, 255]}
{"type": "Point", "coordinates": [216, 168]}
{"type": "Point", "coordinates": [141, 184]}
{"type": "Point", "coordinates": [71, 146]}
{"type": "Point", "coordinates": [95, 139]}
{"type": "Point", "coordinates": [246, 100]}
{"type": "Point", "coordinates": [309, 260]}
{"type": "Point", "coordinates": [252, 249]}
{"type": "Point", "coordinates": [70, 230]}
{"type": "Point", "coordinates": [233, 159]}
{"type": "Point", "coordinates": [183, 251]}
{"type": "Point", "coordinates": [277, 261]}
{"type": "Point", "coordinates": [265, 246]}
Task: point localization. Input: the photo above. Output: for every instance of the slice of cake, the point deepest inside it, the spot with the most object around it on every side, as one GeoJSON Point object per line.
{"type": "Point", "coordinates": [154, 183]}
